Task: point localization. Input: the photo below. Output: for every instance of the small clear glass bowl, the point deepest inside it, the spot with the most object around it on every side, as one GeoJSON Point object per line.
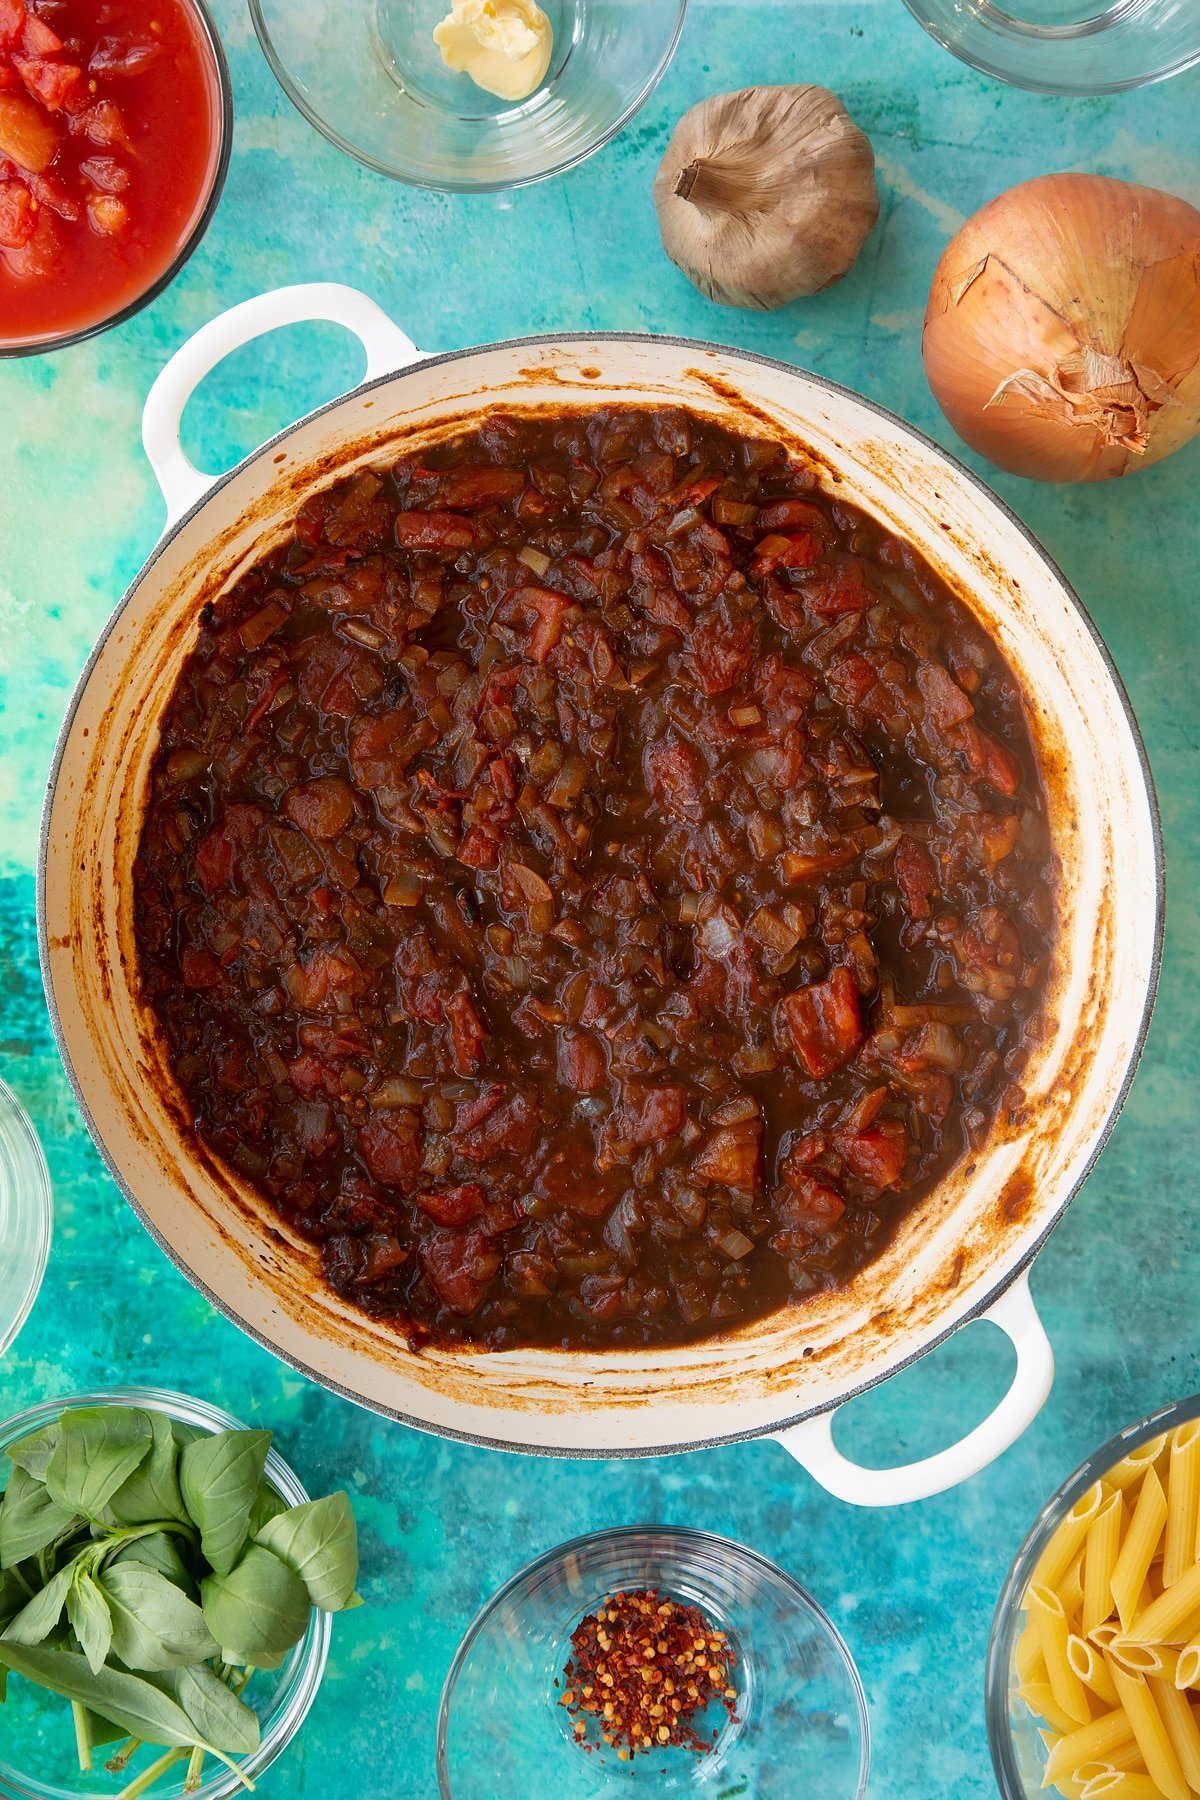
{"type": "Point", "coordinates": [206, 207]}
{"type": "Point", "coordinates": [37, 1725]}
{"type": "Point", "coordinates": [26, 1214]}
{"type": "Point", "coordinates": [1067, 46]}
{"type": "Point", "coordinates": [369, 76]}
{"type": "Point", "coordinates": [1018, 1754]}
{"type": "Point", "coordinates": [801, 1716]}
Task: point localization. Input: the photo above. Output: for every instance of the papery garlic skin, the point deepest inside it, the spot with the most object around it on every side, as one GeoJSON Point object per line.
{"type": "Point", "coordinates": [503, 45]}
{"type": "Point", "coordinates": [1062, 336]}
{"type": "Point", "coordinates": [766, 194]}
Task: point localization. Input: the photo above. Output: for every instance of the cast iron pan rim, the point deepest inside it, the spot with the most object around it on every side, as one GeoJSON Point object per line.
{"type": "Point", "coordinates": [1009, 1275]}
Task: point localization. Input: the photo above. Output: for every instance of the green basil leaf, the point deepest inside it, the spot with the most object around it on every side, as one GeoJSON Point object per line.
{"type": "Point", "coordinates": [33, 1453]}
{"type": "Point", "coordinates": [90, 1618]}
{"type": "Point", "coordinates": [219, 1477]}
{"type": "Point", "coordinates": [13, 1595]}
{"type": "Point", "coordinates": [259, 1608]}
{"type": "Point", "coordinates": [98, 1448]}
{"type": "Point", "coordinates": [102, 1730]}
{"type": "Point", "coordinates": [220, 1718]}
{"type": "Point", "coordinates": [138, 1707]}
{"type": "Point", "coordinates": [152, 1491]}
{"type": "Point", "coordinates": [29, 1519]}
{"type": "Point", "coordinates": [154, 1626]}
{"type": "Point", "coordinates": [38, 1617]}
{"type": "Point", "coordinates": [158, 1550]}
{"type": "Point", "coordinates": [319, 1543]}
{"type": "Point", "coordinates": [268, 1502]}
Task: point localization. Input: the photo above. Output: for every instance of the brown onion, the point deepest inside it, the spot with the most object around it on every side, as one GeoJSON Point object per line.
{"type": "Point", "coordinates": [1062, 336]}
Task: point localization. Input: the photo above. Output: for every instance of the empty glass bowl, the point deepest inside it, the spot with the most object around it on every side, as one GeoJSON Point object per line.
{"type": "Point", "coordinates": [800, 1728]}
{"type": "Point", "coordinates": [368, 74]}
{"type": "Point", "coordinates": [37, 1744]}
{"type": "Point", "coordinates": [1018, 1754]}
{"type": "Point", "coordinates": [1067, 46]}
{"type": "Point", "coordinates": [25, 1216]}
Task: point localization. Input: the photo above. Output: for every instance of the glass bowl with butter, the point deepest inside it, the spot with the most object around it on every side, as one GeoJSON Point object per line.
{"type": "Point", "coordinates": [468, 95]}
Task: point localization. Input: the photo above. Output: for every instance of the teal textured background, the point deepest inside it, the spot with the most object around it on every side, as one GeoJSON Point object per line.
{"type": "Point", "coordinates": [441, 1524]}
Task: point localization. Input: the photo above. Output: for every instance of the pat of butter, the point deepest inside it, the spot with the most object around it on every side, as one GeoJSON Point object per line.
{"type": "Point", "coordinates": [503, 45]}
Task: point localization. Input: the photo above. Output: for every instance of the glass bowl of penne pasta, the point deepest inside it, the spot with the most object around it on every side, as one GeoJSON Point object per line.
{"type": "Point", "coordinates": [1093, 1677]}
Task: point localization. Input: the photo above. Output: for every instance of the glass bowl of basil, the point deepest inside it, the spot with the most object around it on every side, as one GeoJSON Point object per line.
{"type": "Point", "coordinates": [166, 1586]}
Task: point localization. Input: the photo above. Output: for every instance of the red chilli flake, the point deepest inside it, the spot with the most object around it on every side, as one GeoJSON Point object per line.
{"type": "Point", "coordinates": [644, 1668]}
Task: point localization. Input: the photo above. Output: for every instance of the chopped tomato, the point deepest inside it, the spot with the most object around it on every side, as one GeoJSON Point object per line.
{"type": "Point", "coordinates": [822, 1024]}
{"type": "Point", "coordinates": [917, 876]}
{"type": "Point", "coordinates": [13, 15]}
{"type": "Point", "coordinates": [542, 609]}
{"type": "Point", "coordinates": [479, 848]}
{"type": "Point", "coordinates": [791, 550]}
{"type": "Point", "coordinates": [506, 1131]}
{"type": "Point", "coordinates": [50, 82]}
{"type": "Point", "coordinates": [27, 136]}
{"type": "Point", "coordinates": [840, 589]}
{"type": "Point", "coordinates": [467, 1035]}
{"type": "Point", "coordinates": [647, 1114]}
{"type": "Point", "coordinates": [776, 515]}
{"type": "Point", "coordinates": [674, 774]}
{"type": "Point", "coordinates": [199, 968]}
{"type": "Point", "coordinates": [808, 1210]}
{"type": "Point", "coordinates": [453, 1205]}
{"type": "Point", "coordinates": [37, 38]}
{"type": "Point", "coordinates": [732, 1156]}
{"type": "Point", "coordinates": [877, 1155]}
{"type": "Point", "coordinates": [390, 1145]}
{"type": "Point", "coordinates": [719, 652]}
{"type": "Point", "coordinates": [459, 1264]}
{"type": "Point", "coordinates": [581, 1064]}
{"type": "Point", "coordinates": [440, 531]}
{"type": "Point", "coordinates": [945, 702]}
{"type": "Point", "coordinates": [986, 756]}
{"type": "Point", "coordinates": [471, 488]}
{"type": "Point", "coordinates": [16, 215]}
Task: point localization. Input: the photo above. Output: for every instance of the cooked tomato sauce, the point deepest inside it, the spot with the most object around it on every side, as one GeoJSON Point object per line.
{"type": "Point", "coordinates": [109, 142]}
{"type": "Point", "coordinates": [594, 882]}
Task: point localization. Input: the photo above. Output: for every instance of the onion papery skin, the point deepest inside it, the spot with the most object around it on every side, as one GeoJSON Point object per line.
{"type": "Point", "coordinates": [1073, 281]}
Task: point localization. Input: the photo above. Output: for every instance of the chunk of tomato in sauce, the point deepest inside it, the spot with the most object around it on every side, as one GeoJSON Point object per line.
{"type": "Point", "coordinates": [822, 1024]}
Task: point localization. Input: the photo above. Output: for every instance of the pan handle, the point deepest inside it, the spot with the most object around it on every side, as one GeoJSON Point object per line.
{"type": "Point", "coordinates": [387, 348]}
{"type": "Point", "coordinates": [811, 1442]}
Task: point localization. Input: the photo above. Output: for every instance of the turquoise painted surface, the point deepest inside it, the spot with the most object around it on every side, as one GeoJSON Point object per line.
{"type": "Point", "coordinates": [443, 1525]}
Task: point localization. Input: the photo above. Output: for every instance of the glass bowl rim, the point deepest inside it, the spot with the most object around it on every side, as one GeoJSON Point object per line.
{"type": "Point", "coordinates": [1008, 1606]}
{"type": "Point", "coordinates": [996, 68]}
{"type": "Point", "coordinates": [67, 339]}
{"type": "Point", "coordinates": [709, 1542]}
{"type": "Point", "coordinates": [449, 185]}
{"type": "Point", "coordinates": [35, 1205]}
{"type": "Point", "coordinates": [313, 1648]}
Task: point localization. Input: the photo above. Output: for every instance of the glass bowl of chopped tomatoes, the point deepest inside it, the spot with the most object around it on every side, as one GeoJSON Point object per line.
{"type": "Point", "coordinates": [682, 1661]}
{"type": "Point", "coordinates": [115, 129]}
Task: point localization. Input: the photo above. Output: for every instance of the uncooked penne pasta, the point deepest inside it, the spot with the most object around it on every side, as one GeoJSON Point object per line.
{"type": "Point", "coordinates": [1070, 1589]}
{"type": "Point", "coordinates": [1182, 1728]}
{"type": "Point", "coordinates": [1046, 1610]}
{"type": "Point", "coordinates": [1119, 1784]}
{"type": "Point", "coordinates": [1113, 1622]}
{"type": "Point", "coordinates": [1068, 1540]}
{"type": "Point", "coordinates": [1091, 1669]}
{"type": "Point", "coordinates": [1039, 1698]}
{"type": "Point", "coordinates": [1167, 1619]}
{"type": "Point", "coordinates": [1133, 1467]}
{"type": "Point", "coordinates": [1146, 1723]}
{"type": "Point", "coordinates": [1090, 1743]}
{"type": "Point", "coordinates": [1100, 1559]}
{"type": "Point", "coordinates": [1144, 1659]}
{"type": "Point", "coordinates": [1028, 1660]}
{"type": "Point", "coordinates": [1183, 1503]}
{"type": "Point", "coordinates": [1141, 1541]}
{"type": "Point", "coordinates": [1125, 1756]}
